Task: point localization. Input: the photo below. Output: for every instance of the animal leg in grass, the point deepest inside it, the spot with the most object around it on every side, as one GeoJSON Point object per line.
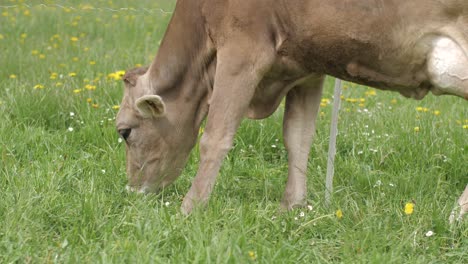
{"type": "Point", "coordinates": [302, 105]}
{"type": "Point", "coordinates": [463, 203]}
{"type": "Point", "coordinates": [237, 75]}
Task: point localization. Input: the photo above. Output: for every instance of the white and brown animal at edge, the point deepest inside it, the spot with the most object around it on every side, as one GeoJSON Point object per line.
{"type": "Point", "coordinates": [228, 59]}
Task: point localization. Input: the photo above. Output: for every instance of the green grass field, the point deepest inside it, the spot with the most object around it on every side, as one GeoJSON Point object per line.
{"type": "Point", "coordinates": [62, 167]}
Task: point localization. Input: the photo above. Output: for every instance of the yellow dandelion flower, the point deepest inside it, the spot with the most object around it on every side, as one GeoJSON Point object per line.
{"type": "Point", "coordinates": [74, 39]}
{"type": "Point", "coordinates": [38, 86]}
{"type": "Point", "coordinates": [75, 59]}
{"type": "Point", "coordinates": [12, 76]}
{"type": "Point", "coordinates": [72, 74]}
{"type": "Point", "coordinates": [409, 208]}
{"type": "Point", "coordinates": [41, 56]}
{"type": "Point", "coordinates": [95, 105]}
{"type": "Point", "coordinates": [26, 13]}
{"type": "Point", "coordinates": [252, 255]}
{"type": "Point", "coordinates": [92, 63]}
{"type": "Point", "coordinates": [5, 14]}
{"type": "Point", "coordinates": [419, 109]}
{"type": "Point", "coordinates": [361, 105]}
{"type": "Point", "coordinates": [362, 100]}
{"type": "Point", "coordinates": [77, 91]}
{"type": "Point", "coordinates": [90, 87]}
{"type": "Point", "coordinates": [34, 52]}
{"type": "Point", "coordinates": [53, 76]}
{"type": "Point", "coordinates": [339, 214]}
{"type": "Point", "coordinates": [465, 126]}
{"type": "Point", "coordinates": [393, 101]}
{"type": "Point", "coordinates": [425, 109]}
{"type": "Point", "coordinates": [371, 93]}
{"type": "Point", "coordinates": [116, 107]}
{"type": "Point", "coordinates": [416, 129]}
{"type": "Point", "coordinates": [112, 76]}
{"type": "Point", "coordinates": [466, 121]}
{"type": "Point", "coordinates": [58, 84]}
{"type": "Point", "coordinates": [1, 36]}
{"type": "Point", "coordinates": [436, 112]}
{"type": "Point", "coordinates": [138, 65]}
{"type": "Point", "coordinates": [24, 35]}
{"type": "Point", "coordinates": [89, 100]}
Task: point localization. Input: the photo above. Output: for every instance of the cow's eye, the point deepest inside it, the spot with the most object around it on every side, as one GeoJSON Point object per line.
{"type": "Point", "coordinates": [125, 133]}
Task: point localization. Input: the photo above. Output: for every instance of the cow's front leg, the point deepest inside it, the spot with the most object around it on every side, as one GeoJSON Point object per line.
{"type": "Point", "coordinates": [302, 105]}
{"type": "Point", "coordinates": [238, 73]}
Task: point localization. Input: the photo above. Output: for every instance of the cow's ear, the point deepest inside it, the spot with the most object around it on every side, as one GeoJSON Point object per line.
{"type": "Point", "coordinates": [151, 106]}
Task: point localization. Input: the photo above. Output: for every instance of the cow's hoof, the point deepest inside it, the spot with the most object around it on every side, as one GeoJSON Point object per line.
{"type": "Point", "coordinates": [187, 206]}
{"type": "Point", "coordinates": [288, 205]}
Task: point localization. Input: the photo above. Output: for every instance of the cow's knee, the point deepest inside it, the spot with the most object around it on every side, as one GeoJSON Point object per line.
{"type": "Point", "coordinates": [216, 144]}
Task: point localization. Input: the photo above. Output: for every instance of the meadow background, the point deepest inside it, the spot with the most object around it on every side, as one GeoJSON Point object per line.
{"type": "Point", "coordinates": [62, 165]}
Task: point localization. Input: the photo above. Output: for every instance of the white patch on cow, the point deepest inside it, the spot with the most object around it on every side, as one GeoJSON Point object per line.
{"type": "Point", "coordinates": [448, 68]}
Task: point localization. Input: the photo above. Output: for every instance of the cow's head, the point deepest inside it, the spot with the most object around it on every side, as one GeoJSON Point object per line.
{"type": "Point", "coordinates": [156, 146]}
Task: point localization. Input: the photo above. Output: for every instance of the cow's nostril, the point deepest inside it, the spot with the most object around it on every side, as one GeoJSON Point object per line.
{"type": "Point", "coordinates": [125, 133]}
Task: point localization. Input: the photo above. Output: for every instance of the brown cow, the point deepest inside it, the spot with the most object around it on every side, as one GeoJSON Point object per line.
{"type": "Point", "coordinates": [230, 59]}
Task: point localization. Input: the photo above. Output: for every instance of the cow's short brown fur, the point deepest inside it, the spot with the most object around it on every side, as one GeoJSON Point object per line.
{"type": "Point", "coordinates": [228, 59]}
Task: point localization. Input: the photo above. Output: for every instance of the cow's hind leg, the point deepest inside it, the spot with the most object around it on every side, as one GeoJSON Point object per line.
{"type": "Point", "coordinates": [463, 203]}
{"type": "Point", "coordinates": [302, 105]}
{"type": "Point", "coordinates": [238, 73]}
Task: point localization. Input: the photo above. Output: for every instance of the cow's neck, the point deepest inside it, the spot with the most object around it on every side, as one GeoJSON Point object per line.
{"type": "Point", "coordinates": [182, 73]}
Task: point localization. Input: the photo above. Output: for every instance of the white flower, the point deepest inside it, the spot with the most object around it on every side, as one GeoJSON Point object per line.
{"type": "Point", "coordinates": [273, 146]}
{"type": "Point", "coordinates": [429, 233]}
{"type": "Point", "coordinates": [70, 129]}
{"type": "Point", "coordinates": [378, 183]}
{"type": "Point", "coordinates": [301, 214]}
{"type": "Point", "coordinates": [120, 140]}
{"type": "Point", "coordinates": [166, 204]}
{"type": "Point", "coordinates": [103, 171]}
{"type": "Point", "coordinates": [72, 114]}
{"type": "Point", "coordinates": [310, 207]}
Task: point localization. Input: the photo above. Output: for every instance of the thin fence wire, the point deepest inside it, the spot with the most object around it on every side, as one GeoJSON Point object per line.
{"type": "Point", "coordinates": [86, 7]}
